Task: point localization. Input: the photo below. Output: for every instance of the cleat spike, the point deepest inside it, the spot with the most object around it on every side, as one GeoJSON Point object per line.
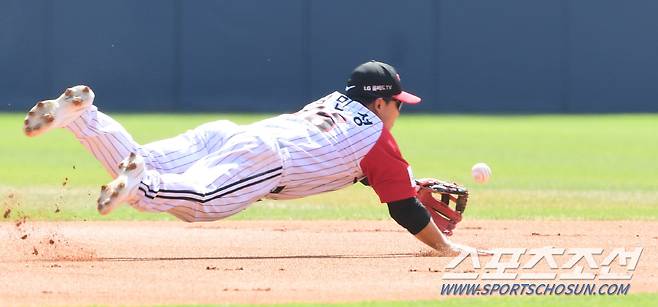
{"type": "Point", "coordinates": [122, 189]}
{"type": "Point", "coordinates": [58, 112]}
{"type": "Point", "coordinates": [85, 89]}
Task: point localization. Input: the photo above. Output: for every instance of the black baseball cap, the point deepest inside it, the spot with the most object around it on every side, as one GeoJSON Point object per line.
{"type": "Point", "coordinates": [377, 80]}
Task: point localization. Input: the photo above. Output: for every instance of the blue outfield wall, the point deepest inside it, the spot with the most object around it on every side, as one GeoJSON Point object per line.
{"type": "Point", "coordinates": [507, 56]}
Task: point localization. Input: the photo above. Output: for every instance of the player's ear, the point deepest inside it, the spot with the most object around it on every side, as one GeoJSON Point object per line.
{"type": "Point", "coordinates": [380, 104]}
{"type": "Point", "coordinates": [376, 106]}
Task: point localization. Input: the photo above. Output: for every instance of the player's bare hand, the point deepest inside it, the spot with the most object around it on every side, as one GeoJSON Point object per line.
{"type": "Point", "coordinates": [446, 252]}
{"type": "Point", "coordinates": [460, 248]}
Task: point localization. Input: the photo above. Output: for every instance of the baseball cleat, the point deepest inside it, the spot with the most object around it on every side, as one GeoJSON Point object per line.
{"type": "Point", "coordinates": [57, 113]}
{"type": "Point", "coordinates": [124, 187]}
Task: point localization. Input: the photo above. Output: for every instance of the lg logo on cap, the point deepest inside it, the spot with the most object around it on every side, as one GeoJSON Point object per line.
{"type": "Point", "coordinates": [375, 88]}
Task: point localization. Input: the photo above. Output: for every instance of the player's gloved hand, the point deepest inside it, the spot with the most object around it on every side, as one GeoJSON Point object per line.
{"type": "Point", "coordinates": [443, 215]}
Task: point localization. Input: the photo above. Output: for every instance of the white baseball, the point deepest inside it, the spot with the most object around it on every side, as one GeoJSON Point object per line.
{"type": "Point", "coordinates": [481, 172]}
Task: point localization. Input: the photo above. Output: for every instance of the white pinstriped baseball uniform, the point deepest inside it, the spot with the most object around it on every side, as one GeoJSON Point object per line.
{"type": "Point", "coordinates": [219, 168]}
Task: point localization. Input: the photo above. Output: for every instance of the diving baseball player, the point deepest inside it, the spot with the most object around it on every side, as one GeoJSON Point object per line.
{"type": "Point", "coordinates": [218, 169]}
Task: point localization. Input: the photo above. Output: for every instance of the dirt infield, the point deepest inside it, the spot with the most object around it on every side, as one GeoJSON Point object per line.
{"type": "Point", "coordinates": [77, 263]}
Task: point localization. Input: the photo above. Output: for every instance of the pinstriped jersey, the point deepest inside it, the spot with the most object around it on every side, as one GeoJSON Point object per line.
{"type": "Point", "coordinates": [323, 147]}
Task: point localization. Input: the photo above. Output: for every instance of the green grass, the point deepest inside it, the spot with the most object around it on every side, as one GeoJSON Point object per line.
{"type": "Point", "coordinates": [644, 299]}
{"type": "Point", "coordinates": [544, 167]}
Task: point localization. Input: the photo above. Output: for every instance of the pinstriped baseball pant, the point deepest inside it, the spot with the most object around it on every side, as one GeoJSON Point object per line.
{"type": "Point", "coordinates": [208, 173]}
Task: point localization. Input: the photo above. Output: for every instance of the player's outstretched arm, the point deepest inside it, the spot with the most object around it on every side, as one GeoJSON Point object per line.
{"type": "Point", "coordinates": [432, 236]}
{"type": "Point", "coordinates": [411, 215]}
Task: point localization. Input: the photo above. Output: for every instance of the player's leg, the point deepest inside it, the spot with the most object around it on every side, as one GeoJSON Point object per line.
{"type": "Point", "coordinates": [109, 142]}
{"type": "Point", "coordinates": [217, 186]}
{"type": "Point", "coordinates": [175, 155]}
{"type": "Point", "coordinates": [58, 112]}
{"type": "Point", "coordinates": [101, 135]}
{"type": "Point", "coordinates": [73, 109]}
{"type": "Point", "coordinates": [104, 138]}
